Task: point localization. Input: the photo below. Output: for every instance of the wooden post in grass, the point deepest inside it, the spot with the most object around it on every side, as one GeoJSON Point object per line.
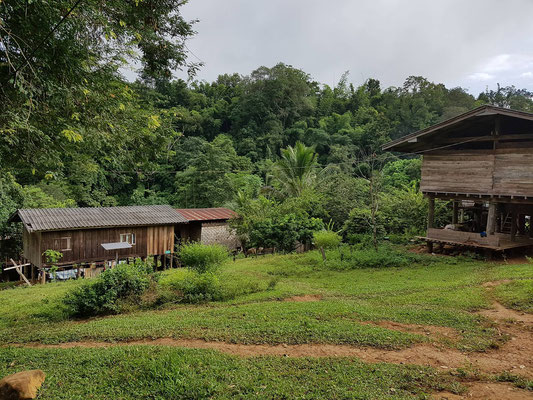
{"type": "Point", "coordinates": [491, 218]}
{"type": "Point", "coordinates": [513, 225]}
{"type": "Point", "coordinates": [455, 214]}
{"type": "Point", "coordinates": [431, 212]}
{"type": "Point", "coordinates": [20, 271]}
{"type": "Point", "coordinates": [323, 254]}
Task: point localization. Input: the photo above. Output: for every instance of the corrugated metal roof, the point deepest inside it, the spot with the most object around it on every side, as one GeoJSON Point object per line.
{"type": "Point", "coordinates": [404, 143]}
{"type": "Point", "coordinates": [206, 214]}
{"type": "Point", "coordinates": [54, 219]}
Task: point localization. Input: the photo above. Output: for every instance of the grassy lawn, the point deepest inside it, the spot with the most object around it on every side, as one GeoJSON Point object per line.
{"type": "Point", "coordinates": [517, 295]}
{"type": "Point", "coordinates": [169, 373]}
{"type": "Point", "coordinates": [442, 294]}
{"type": "Point", "coordinates": [352, 302]}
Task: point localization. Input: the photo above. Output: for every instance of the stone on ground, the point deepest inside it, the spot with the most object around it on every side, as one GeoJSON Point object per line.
{"type": "Point", "coordinates": [22, 385]}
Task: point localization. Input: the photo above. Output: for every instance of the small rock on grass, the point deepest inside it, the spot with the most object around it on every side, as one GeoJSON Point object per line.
{"type": "Point", "coordinates": [22, 385]}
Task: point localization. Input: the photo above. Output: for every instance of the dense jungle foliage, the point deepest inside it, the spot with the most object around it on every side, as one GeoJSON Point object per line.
{"type": "Point", "coordinates": [274, 144]}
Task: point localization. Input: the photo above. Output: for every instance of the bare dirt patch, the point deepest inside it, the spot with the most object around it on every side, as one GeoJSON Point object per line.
{"type": "Point", "coordinates": [501, 313]}
{"type": "Point", "coordinates": [484, 391]}
{"type": "Point", "coordinates": [492, 284]}
{"type": "Point", "coordinates": [513, 357]}
{"type": "Point", "coordinates": [438, 332]}
{"type": "Point", "coordinates": [304, 298]}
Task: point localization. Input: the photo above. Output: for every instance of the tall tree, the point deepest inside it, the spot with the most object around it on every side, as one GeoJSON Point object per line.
{"type": "Point", "coordinates": [297, 170]}
{"type": "Point", "coordinates": [60, 59]}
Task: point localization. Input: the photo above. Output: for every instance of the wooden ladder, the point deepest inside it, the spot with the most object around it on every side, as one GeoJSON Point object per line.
{"type": "Point", "coordinates": [506, 225]}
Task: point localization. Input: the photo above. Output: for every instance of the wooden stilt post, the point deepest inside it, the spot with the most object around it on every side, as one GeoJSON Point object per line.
{"type": "Point", "coordinates": [20, 271]}
{"type": "Point", "coordinates": [522, 224]}
{"type": "Point", "coordinates": [431, 212]}
{"type": "Point", "coordinates": [513, 225]}
{"type": "Point", "coordinates": [431, 218]}
{"type": "Point", "coordinates": [491, 218]}
{"type": "Point", "coordinates": [455, 214]}
{"type": "Point", "coordinates": [171, 260]}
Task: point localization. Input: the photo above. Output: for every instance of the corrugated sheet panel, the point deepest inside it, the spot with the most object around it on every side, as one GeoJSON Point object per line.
{"type": "Point", "coordinates": [207, 214]}
{"type": "Point", "coordinates": [51, 219]}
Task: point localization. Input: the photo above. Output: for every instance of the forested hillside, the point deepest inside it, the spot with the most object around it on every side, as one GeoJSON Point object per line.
{"type": "Point", "coordinates": [75, 132]}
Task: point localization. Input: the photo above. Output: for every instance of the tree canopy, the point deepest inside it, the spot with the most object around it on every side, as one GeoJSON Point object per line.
{"type": "Point", "coordinates": [75, 132]}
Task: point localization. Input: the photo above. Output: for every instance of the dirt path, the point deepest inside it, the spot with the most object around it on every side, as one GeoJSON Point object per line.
{"type": "Point", "coordinates": [515, 356]}
{"type": "Point", "coordinates": [485, 391]}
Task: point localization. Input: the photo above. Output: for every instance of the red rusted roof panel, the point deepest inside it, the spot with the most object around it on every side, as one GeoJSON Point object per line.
{"type": "Point", "coordinates": [206, 214]}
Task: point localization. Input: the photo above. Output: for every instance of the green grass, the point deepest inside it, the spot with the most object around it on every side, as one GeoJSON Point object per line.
{"type": "Point", "coordinates": [517, 295]}
{"type": "Point", "coordinates": [443, 294]}
{"type": "Point", "coordinates": [169, 373]}
{"type": "Point", "coordinates": [438, 291]}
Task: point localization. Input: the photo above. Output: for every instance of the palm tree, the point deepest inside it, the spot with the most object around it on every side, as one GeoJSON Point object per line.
{"type": "Point", "coordinates": [297, 169]}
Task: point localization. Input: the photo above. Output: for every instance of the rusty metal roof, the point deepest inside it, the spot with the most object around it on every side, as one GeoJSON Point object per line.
{"type": "Point", "coordinates": [56, 219]}
{"type": "Point", "coordinates": [207, 214]}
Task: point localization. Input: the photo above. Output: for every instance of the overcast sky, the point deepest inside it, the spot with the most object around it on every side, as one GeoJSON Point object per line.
{"type": "Point", "coordinates": [469, 43]}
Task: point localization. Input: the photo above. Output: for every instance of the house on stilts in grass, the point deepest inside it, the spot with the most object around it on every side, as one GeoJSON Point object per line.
{"type": "Point", "coordinates": [94, 238]}
{"type": "Point", "coordinates": [481, 160]}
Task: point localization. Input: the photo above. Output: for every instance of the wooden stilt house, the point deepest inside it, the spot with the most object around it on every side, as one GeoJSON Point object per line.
{"type": "Point", "coordinates": [94, 235]}
{"type": "Point", "coordinates": [482, 161]}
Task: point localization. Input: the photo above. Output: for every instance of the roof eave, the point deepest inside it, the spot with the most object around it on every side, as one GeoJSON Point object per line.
{"type": "Point", "coordinates": [483, 110]}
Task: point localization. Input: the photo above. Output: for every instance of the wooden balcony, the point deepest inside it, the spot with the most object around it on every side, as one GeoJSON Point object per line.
{"type": "Point", "coordinates": [498, 241]}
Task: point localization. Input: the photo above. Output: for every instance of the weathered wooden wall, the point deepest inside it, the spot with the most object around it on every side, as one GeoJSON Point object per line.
{"type": "Point", "coordinates": [507, 171]}
{"type": "Point", "coordinates": [32, 247]}
{"type": "Point", "coordinates": [513, 171]}
{"type": "Point", "coordinates": [86, 245]}
{"type": "Point", "coordinates": [160, 239]}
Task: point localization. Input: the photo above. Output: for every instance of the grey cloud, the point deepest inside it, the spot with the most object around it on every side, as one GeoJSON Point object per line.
{"type": "Point", "coordinates": [450, 41]}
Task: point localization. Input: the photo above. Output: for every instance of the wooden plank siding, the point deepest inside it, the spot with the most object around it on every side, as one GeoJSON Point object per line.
{"type": "Point", "coordinates": [500, 172]}
{"type": "Point", "coordinates": [160, 239]}
{"type": "Point", "coordinates": [86, 244]}
{"type": "Point", "coordinates": [513, 172]}
{"type": "Point", "coordinates": [32, 246]}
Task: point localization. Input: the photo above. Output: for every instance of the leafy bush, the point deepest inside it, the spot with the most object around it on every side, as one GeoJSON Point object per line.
{"type": "Point", "coordinates": [198, 287]}
{"type": "Point", "coordinates": [359, 222]}
{"type": "Point", "coordinates": [111, 290]}
{"type": "Point", "coordinates": [361, 240]}
{"type": "Point", "coordinates": [284, 232]}
{"type": "Point", "coordinates": [8, 285]}
{"type": "Point", "coordinates": [326, 239]}
{"type": "Point", "coordinates": [387, 256]}
{"type": "Point", "coordinates": [203, 258]}
{"type": "Point", "coordinates": [193, 287]}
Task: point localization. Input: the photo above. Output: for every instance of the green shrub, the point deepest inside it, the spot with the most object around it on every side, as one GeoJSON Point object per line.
{"type": "Point", "coordinates": [326, 239]}
{"type": "Point", "coordinates": [8, 285]}
{"type": "Point", "coordinates": [283, 232]}
{"type": "Point", "coordinates": [108, 293]}
{"type": "Point", "coordinates": [198, 287]}
{"type": "Point", "coordinates": [360, 240]}
{"type": "Point", "coordinates": [388, 256]}
{"type": "Point", "coordinates": [189, 286]}
{"type": "Point", "coordinates": [203, 258]}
